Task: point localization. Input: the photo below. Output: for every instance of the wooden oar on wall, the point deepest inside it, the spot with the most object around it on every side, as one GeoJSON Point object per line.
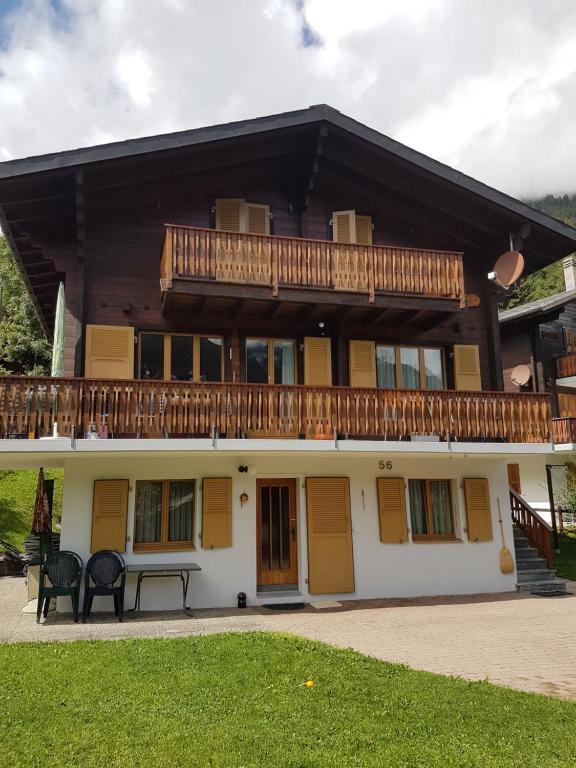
{"type": "Point", "coordinates": [506, 559]}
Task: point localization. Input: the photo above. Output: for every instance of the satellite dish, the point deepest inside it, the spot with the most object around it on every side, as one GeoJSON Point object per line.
{"type": "Point", "coordinates": [521, 375]}
{"type": "Point", "coordinates": [509, 267]}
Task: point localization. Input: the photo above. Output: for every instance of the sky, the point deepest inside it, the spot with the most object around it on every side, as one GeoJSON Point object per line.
{"type": "Point", "coordinates": [486, 86]}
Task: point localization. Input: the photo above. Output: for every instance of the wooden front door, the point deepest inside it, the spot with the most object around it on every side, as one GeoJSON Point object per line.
{"type": "Point", "coordinates": [276, 535]}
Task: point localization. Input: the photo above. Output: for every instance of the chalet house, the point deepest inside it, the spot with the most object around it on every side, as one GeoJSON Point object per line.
{"type": "Point", "coordinates": [282, 359]}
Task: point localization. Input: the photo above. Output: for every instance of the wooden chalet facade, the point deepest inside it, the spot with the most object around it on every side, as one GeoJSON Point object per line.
{"type": "Point", "coordinates": [298, 287]}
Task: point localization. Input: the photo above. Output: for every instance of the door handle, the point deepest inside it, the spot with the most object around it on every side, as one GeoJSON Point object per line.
{"type": "Point", "coordinates": [293, 532]}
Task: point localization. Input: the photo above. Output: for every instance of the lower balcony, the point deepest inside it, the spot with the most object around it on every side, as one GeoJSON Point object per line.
{"type": "Point", "coordinates": [36, 407]}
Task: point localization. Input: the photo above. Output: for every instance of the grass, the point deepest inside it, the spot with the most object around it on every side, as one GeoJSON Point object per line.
{"type": "Point", "coordinates": [565, 560]}
{"type": "Point", "coordinates": [241, 700]}
{"type": "Point", "coordinates": [17, 494]}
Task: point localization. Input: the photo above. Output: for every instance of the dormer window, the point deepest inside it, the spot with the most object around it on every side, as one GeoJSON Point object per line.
{"type": "Point", "coordinates": [237, 215]}
{"type": "Point", "coordinates": [351, 227]}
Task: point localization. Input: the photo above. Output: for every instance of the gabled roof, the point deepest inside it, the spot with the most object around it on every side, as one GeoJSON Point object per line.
{"type": "Point", "coordinates": [314, 114]}
{"type": "Point", "coordinates": [538, 307]}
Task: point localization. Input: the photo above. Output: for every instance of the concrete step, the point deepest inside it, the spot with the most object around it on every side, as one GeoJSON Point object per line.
{"type": "Point", "coordinates": [527, 553]}
{"type": "Point", "coordinates": [538, 574]}
{"type": "Point", "coordinates": [550, 585]}
{"type": "Point", "coordinates": [521, 543]}
{"type": "Point", "coordinates": [531, 563]}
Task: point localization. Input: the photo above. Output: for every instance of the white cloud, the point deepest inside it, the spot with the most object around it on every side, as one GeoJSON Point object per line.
{"type": "Point", "coordinates": [485, 85]}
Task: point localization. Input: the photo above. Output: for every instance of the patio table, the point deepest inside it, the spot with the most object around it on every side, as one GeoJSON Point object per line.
{"type": "Point", "coordinates": [180, 571]}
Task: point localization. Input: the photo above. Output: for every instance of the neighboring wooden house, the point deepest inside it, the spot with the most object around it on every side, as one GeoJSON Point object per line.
{"type": "Point", "coordinates": [538, 341]}
{"type": "Point", "coordinates": [285, 330]}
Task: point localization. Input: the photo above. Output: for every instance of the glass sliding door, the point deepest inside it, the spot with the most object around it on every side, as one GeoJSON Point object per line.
{"type": "Point", "coordinates": [386, 367]}
{"type": "Point", "coordinates": [409, 368]}
{"type": "Point", "coordinates": [433, 369]}
{"type": "Point", "coordinates": [284, 368]}
{"type": "Point", "coordinates": [270, 361]}
{"type": "Point", "coordinates": [210, 354]}
{"type": "Point", "coordinates": [257, 361]}
{"type": "Point", "coordinates": [181, 356]}
{"type": "Point", "coordinates": [151, 356]}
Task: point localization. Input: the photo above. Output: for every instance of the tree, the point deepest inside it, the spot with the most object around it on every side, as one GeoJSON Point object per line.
{"type": "Point", "coordinates": [549, 280]}
{"type": "Point", "coordinates": [23, 346]}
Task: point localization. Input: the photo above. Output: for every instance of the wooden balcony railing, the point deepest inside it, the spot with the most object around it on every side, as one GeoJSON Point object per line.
{"type": "Point", "coordinates": [535, 528]}
{"type": "Point", "coordinates": [564, 430]}
{"type": "Point", "coordinates": [566, 366]}
{"type": "Point", "coordinates": [265, 260]}
{"type": "Point", "coordinates": [31, 406]}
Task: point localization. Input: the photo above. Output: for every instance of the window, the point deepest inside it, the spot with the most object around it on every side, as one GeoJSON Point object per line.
{"type": "Point", "coordinates": [431, 509]}
{"type": "Point", "coordinates": [237, 215]}
{"type": "Point", "coordinates": [164, 517]}
{"type": "Point", "coordinates": [409, 367]}
{"type": "Point", "coordinates": [270, 361]}
{"type": "Point", "coordinates": [180, 357]}
{"type": "Point", "coordinates": [350, 227]}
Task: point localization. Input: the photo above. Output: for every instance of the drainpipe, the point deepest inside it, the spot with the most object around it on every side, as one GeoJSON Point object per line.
{"type": "Point", "coordinates": [549, 468]}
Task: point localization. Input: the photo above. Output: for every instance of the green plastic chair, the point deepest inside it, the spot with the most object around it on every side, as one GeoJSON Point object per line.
{"type": "Point", "coordinates": [64, 571]}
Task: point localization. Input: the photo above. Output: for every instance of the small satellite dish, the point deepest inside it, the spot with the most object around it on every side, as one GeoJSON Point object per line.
{"type": "Point", "coordinates": [521, 375]}
{"type": "Point", "coordinates": [509, 267]}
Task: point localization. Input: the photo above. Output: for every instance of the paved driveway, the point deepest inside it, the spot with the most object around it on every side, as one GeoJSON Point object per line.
{"type": "Point", "coordinates": [516, 640]}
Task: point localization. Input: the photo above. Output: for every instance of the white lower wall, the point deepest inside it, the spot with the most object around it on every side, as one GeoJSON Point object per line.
{"type": "Point", "coordinates": [381, 570]}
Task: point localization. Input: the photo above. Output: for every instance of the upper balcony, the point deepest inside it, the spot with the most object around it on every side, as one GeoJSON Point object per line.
{"type": "Point", "coordinates": [299, 270]}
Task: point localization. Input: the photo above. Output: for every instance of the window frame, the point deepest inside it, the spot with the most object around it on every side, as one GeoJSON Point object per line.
{"type": "Point", "coordinates": [421, 365]}
{"type": "Point", "coordinates": [270, 343]}
{"type": "Point", "coordinates": [164, 545]}
{"type": "Point", "coordinates": [416, 537]}
{"type": "Point", "coordinates": [167, 355]}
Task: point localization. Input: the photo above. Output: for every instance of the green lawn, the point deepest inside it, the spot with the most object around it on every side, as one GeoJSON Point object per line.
{"type": "Point", "coordinates": [17, 494]}
{"type": "Point", "coordinates": [241, 700]}
{"type": "Point", "coordinates": [565, 560]}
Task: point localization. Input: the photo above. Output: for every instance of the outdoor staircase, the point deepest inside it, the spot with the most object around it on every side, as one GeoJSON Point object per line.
{"type": "Point", "coordinates": [533, 574]}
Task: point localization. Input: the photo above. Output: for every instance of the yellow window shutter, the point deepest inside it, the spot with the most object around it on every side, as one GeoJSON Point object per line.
{"type": "Point", "coordinates": [230, 215]}
{"type": "Point", "coordinates": [478, 513]}
{"type": "Point", "coordinates": [344, 226]}
{"type": "Point", "coordinates": [109, 352]}
{"type": "Point", "coordinates": [362, 364]}
{"type": "Point", "coordinates": [363, 230]}
{"type": "Point", "coordinates": [317, 361]}
{"type": "Point", "coordinates": [330, 558]}
{"type": "Point", "coordinates": [257, 219]}
{"type": "Point", "coordinates": [109, 515]}
{"type": "Point", "coordinates": [216, 512]}
{"type": "Point", "coordinates": [467, 368]}
{"type": "Point", "coordinates": [392, 510]}
{"type": "Point", "coordinates": [514, 477]}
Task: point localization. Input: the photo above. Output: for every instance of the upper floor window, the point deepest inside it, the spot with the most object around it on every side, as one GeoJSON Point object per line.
{"type": "Point", "coordinates": [389, 367]}
{"type": "Point", "coordinates": [271, 361]}
{"type": "Point", "coordinates": [351, 227]}
{"type": "Point", "coordinates": [237, 215]}
{"type": "Point", "coordinates": [181, 357]}
{"type": "Point", "coordinates": [409, 367]}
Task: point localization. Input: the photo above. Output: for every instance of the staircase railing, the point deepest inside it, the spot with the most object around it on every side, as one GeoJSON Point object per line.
{"type": "Point", "coordinates": [534, 527]}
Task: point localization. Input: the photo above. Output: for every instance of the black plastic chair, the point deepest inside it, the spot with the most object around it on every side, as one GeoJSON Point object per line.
{"type": "Point", "coordinates": [64, 570]}
{"type": "Point", "coordinates": [103, 570]}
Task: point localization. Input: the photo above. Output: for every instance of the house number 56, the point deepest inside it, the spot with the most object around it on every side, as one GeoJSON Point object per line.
{"type": "Point", "coordinates": [384, 464]}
